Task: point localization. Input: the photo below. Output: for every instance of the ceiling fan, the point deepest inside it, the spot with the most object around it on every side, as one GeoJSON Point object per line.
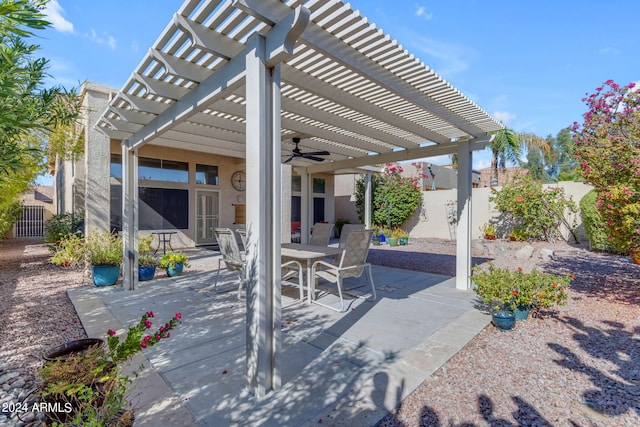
{"type": "Point", "coordinates": [311, 155]}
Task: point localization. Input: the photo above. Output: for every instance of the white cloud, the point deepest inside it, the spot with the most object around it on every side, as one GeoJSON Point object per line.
{"type": "Point", "coordinates": [452, 58]}
{"type": "Point", "coordinates": [422, 12]}
{"type": "Point", "coordinates": [504, 117]}
{"type": "Point", "coordinates": [103, 39]}
{"type": "Point", "coordinates": [54, 12]}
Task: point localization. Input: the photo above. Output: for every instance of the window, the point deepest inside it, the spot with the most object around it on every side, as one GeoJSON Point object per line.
{"type": "Point", "coordinates": [296, 183]}
{"type": "Point", "coordinates": [296, 208]}
{"type": "Point", "coordinates": [318, 185]}
{"type": "Point", "coordinates": [115, 167]}
{"type": "Point", "coordinates": [153, 169]}
{"type": "Point", "coordinates": [318, 209]}
{"type": "Point", "coordinates": [162, 170]}
{"type": "Point", "coordinates": [159, 208]}
{"type": "Point", "coordinates": [206, 174]}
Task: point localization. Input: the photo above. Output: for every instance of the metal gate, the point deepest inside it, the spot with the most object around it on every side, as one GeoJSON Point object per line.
{"type": "Point", "coordinates": [31, 223]}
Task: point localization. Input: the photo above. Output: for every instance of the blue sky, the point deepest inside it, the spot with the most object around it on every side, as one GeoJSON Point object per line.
{"type": "Point", "coordinates": [528, 63]}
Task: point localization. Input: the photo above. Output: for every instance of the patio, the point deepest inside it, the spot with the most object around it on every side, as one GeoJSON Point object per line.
{"type": "Point", "coordinates": [343, 368]}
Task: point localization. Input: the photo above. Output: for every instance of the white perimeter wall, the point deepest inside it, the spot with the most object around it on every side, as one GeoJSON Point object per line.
{"type": "Point", "coordinates": [438, 208]}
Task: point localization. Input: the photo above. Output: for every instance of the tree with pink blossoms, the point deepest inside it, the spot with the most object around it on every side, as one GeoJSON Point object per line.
{"type": "Point", "coordinates": [608, 150]}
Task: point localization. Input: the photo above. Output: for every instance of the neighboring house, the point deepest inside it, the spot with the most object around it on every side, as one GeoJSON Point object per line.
{"type": "Point", "coordinates": [38, 207]}
{"type": "Point", "coordinates": [179, 190]}
{"type": "Point", "coordinates": [504, 175]}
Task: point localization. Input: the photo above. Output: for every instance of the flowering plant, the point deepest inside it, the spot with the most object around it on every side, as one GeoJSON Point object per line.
{"type": "Point", "coordinates": [90, 385]}
{"type": "Point", "coordinates": [608, 149]}
{"type": "Point", "coordinates": [505, 288]}
{"type": "Point", "coordinates": [139, 336]}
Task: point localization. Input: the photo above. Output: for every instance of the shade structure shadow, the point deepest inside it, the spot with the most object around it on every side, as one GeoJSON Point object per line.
{"type": "Point", "coordinates": [328, 360]}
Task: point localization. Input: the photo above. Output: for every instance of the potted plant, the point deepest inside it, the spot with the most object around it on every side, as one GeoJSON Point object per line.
{"type": "Point", "coordinates": [174, 263]}
{"type": "Point", "coordinates": [384, 233]}
{"type": "Point", "coordinates": [403, 237]}
{"type": "Point", "coordinates": [489, 231]}
{"type": "Point", "coordinates": [396, 233]}
{"type": "Point", "coordinates": [146, 267]}
{"type": "Point", "coordinates": [103, 251]}
{"type": "Point", "coordinates": [518, 234]}
{"type": "Point", "coordinates": [516, 291]}
{"type": "Point", "coordinates": [375, 238]}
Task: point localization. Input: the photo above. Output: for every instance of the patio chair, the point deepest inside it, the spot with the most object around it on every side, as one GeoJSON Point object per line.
{"type": "Point", "coordinates": [345, 231]}
{"type": "Point", "coordinates": [321, 234]}
{"type": "Point", "coordinates": [352, 264]}
{"type": "Point", "coordinates": [289, 268]}
{"type": "Point", "coordinates": [230, 256]}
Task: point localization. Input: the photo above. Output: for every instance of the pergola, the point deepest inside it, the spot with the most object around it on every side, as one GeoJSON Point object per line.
{"type": "Point", "coordinates": [242, 77]}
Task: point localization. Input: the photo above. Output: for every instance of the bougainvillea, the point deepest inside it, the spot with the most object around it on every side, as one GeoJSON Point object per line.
{"type": "Point", "coordinates": [396, 197]}
{"type": "Point", "coordinates": [608, 149]}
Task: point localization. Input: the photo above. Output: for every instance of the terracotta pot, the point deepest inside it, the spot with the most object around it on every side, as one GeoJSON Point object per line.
{"type": "Point", "coordinates": [635, 255]}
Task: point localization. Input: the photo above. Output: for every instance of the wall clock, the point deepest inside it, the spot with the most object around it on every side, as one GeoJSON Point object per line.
{"type": "Point", "coordinates": [239, 180]}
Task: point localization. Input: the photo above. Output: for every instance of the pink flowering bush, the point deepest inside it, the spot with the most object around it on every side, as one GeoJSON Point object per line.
{"type": "Point", "coordinates": [396, 196]}
{"type": "Point", "coordinates": [608, 149]}
{"type": "Point", "coordinates": [90, 386]}
{"type": "Point", "coordinates": [139, 336]}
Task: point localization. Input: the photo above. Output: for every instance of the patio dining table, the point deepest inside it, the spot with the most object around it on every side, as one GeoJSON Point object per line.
{"type": "Point", "coordinates": [307, 254]}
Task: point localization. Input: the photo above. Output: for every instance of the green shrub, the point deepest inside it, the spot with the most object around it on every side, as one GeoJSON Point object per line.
{"type": "Point", "coordinates": [537, 212]}
{"type": "Point", "coordinates": [60, 226]}
{"type": "Point", "coordinates": [8, 217]}
{"type": "Point", "coordinates": [594, 225]}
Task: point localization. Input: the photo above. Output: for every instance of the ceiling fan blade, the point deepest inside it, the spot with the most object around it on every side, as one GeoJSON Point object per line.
{"type": "Point", "coordinates": [318, 153]}
{"type": "Point", "coordinates": [314, 158]}
{"type": "Point", "coordinates": [288, 160]}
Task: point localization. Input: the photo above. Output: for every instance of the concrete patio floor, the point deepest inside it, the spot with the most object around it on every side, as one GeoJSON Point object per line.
{"type": "Point", "coordinates": [342, 368]}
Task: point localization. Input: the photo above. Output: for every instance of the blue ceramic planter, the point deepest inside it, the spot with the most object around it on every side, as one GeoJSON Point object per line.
{"type": "Point", "coordinates": [171, 271]}
{"type": "Point", "coordinates": [146, 272]}
{"type": "Point", "coordinates": [521, 312]}
{"type": "Point", "coordinates": [504, 319]}
{"type": "Point", "coordinates": [105, 275]}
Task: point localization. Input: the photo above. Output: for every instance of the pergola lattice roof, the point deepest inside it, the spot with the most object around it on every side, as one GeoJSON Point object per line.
{"type": "Point", "coordinates": [349, 88]}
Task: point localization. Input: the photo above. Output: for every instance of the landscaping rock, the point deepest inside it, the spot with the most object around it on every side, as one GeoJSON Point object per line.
{"type": "Point", "coordinates": [525, 252]}
{"type": "Point", "coordinates": [547, 254]}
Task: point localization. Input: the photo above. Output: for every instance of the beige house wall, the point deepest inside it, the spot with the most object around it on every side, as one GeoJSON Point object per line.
{"type": "Point", "coordinates": [435, 218]}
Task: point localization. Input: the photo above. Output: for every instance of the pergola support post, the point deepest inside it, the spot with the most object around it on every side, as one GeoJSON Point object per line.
{"type": "Point", "coordinates": [263, 219]}
{"type": "Point", "coordinates": [367, 200]}
{"type": "Point", "coordinates": [305, 202]}
{"type": "Point", "coordinates": [129, 217]}
{"type": "Point", "coordinates": [463, 246]}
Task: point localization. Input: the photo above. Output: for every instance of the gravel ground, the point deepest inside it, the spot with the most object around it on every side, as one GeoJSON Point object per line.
{"type": "Point", "coordinates": [579, 366]}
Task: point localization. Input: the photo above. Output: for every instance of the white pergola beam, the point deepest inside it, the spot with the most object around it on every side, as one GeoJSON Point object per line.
{"type": "Point", "coordinates": [416, 153]}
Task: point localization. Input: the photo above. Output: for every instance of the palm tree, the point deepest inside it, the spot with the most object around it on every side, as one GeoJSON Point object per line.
{"type": "Point", "coordinates": [505, 147]}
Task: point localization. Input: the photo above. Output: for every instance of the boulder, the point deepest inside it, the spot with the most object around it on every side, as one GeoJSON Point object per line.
{"type": "Point", "coordinates": [525, 252]}
{"type": "Point", "coordinates": [547, 254]}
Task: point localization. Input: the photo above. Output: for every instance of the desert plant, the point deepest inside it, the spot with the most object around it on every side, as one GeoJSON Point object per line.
{"type": "Point", "coordinates": [340, 222]}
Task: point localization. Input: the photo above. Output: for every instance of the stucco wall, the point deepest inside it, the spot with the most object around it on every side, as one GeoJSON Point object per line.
{"type": "Point", "coordinates": [438, 208]}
